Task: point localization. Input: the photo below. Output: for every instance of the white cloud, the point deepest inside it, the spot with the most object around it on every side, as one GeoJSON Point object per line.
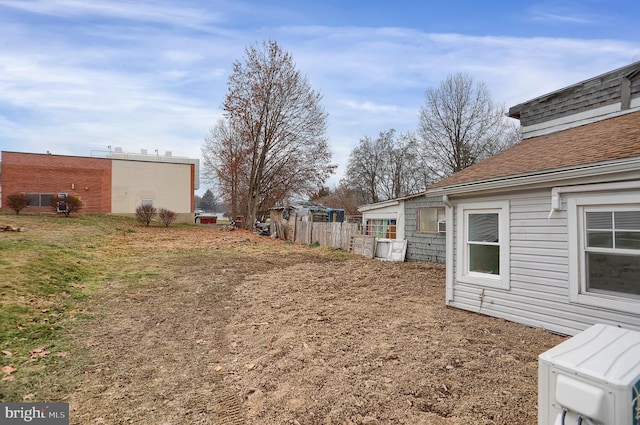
{"type": "Point", "coordinates": [149, 11]}
{"type": "Point", "coordinates": [370, 107]}
{"type": "Point", "coordinates": [161, 87]}
{"type": "Point", "coordinates": [542, 16]}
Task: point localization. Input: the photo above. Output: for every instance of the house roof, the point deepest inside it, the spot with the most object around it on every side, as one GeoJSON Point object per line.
{"type": "Point", "coordinates": [606, 140]}
{"type": "Point", "coordinates": [595, 92]}
{"type": "Point", "coordinates": [390, 202]}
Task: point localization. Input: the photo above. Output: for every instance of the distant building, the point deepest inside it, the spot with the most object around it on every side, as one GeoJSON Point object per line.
{"type": "Point", "coordinates": [115, 183]}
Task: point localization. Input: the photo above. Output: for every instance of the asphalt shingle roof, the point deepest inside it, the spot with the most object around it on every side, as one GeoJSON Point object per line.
{"type": "Point", "coordinates": [606, 140]}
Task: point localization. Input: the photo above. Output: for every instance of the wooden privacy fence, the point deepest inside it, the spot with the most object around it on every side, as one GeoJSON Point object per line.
{"type": "Point", "coordinates": [334, 235]}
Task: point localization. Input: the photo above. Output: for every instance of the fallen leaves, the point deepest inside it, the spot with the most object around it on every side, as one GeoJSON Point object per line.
{"type": "Point", "coordinates": [38, 352]}
{"type": "Point", "coordinates": [11, 228]}
{"type": "Point", "coordinates": [7, 371]}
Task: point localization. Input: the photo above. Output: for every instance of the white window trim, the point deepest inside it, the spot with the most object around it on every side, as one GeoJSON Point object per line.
{"type": "Point", "coordinates": [439, 214]}
{"type": "Point", "coordinates": [577, 268]}
{"type": "Point", "coordinates": [501, 281]}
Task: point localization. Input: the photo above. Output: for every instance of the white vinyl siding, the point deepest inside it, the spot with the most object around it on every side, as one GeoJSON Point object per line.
{"type": "Point", "coordinates": [539, 270]}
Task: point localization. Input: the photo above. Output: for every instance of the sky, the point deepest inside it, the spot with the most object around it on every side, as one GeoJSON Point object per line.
{"type": "Point", "coordinates": [80, 77]}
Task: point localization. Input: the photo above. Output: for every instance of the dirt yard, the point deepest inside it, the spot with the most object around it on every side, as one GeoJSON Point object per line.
{"type": "Point", "coordinates": [256, 331]}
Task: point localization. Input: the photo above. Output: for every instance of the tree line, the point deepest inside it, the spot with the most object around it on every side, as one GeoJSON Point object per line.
{"type": "Point", "coordinates": [271, 145]}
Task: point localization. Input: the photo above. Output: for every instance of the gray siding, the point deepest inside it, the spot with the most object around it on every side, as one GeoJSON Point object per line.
{"type": "Point", "coordinates": [539, 269]}
{"type": "Point", "coordinates": [425, 247]}
{"type": "Point", "coordinates": [600, 91]}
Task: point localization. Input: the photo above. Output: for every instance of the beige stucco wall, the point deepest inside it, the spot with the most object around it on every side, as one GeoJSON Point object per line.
{"type": "Point", "coordinates": [167, 185]}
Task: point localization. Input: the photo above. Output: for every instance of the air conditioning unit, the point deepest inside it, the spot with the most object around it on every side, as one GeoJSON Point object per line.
{"type": "Point", "coordinates": [591, 378]}
{"type": "Point", "coordinates": [62, 206]}
{"type": "Point", "coordinates": [442, 227]}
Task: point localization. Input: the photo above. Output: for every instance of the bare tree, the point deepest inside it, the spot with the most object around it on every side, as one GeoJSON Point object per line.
{"type": "Point", "coordinates": [366, 165]}
{"type": "Point", "coordinates": [225, 164]}
{"type": "Point", "coordinates": [404, 173]}
{"type": "Point", "coordinates": [342, 196]}
{"type": "Point", "coordinates": [386, 168]}
{"type": "Point", "coordinates": [460, 125]}
{"type": "Point", "coordinates": [276, 141]}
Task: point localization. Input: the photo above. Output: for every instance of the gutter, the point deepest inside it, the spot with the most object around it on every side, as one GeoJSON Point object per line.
{"type": "Point", "coordinates": [542, 178]}
{"type": "Point", "coordinates": [377, 205]}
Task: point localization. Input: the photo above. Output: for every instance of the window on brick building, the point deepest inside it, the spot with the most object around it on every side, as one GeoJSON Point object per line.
{"type": "Point", "coordinates": [39, 199]}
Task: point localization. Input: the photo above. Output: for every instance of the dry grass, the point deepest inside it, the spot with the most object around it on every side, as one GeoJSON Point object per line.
{"type": "Point", "coordinates": [191, 324]}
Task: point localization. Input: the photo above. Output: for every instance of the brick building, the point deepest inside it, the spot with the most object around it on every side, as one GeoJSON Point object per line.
{"type": "Point", "coordinates": [116, 183]}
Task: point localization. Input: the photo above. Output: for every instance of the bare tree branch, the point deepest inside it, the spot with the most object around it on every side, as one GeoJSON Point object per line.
{"type": "Point", "coordinates": [276, 138]}
{"type": "Point", "coordinates": [387, 167]}
{"type": "Point", "coordinates": [460, 125]}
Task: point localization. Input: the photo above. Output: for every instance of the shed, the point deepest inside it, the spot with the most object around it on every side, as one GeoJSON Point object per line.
{"type": "Point", "coordinates": [418, 219]}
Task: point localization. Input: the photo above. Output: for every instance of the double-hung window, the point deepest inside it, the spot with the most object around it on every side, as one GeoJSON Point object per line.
{"type": "Point", "coordinates": [612, 252]}
{"type": "Point", "coordinates": [483, 244]}
{"type": "Point", "coordinates": [605, 253]}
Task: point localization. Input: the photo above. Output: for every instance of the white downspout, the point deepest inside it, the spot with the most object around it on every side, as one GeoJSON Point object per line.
{"type": "Point", "coordinates": [449, 281]}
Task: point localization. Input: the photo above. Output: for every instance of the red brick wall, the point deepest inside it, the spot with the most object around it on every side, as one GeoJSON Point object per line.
{"type": "Point", "coordinates": [88, 178]}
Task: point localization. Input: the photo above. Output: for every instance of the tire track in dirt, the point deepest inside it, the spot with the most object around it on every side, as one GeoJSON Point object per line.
{"type": "Point", "coordinates": [154, 349]}
{"type": "Point", "coordinates": [282, 334]}
{"type": "Point", "coordinates": [228, 410]}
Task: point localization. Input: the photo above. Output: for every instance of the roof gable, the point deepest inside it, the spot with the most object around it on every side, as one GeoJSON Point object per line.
{"type": "Point", "coordinates": [606, 140]}
{"type": "Point", "coordinates": [619, 86]}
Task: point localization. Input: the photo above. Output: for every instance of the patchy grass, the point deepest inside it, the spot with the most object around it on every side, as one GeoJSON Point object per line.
{"type": "Point", "coordinates": [47, 272]}
{"type": "Point", "coordinates": [58, 269]}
